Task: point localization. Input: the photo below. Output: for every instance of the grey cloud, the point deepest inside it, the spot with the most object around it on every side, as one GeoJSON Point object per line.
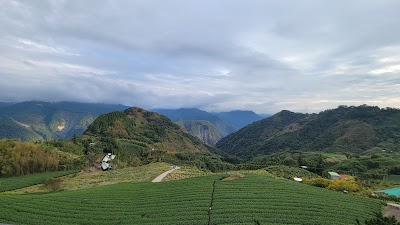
{"type": "Point", "coordinates": [217, 55]}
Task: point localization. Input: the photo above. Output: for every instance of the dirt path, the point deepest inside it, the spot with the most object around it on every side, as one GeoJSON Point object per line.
{"type": "Point", "coordinates": [392, 210]}
{"type": "Point", "coordinates": [161, 176]}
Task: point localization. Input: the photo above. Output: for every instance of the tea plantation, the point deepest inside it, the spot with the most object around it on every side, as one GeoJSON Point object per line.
{"type": "Point", "coordinates": [11, 183]}
{"type": "Point", "coordinates": [253, 199]}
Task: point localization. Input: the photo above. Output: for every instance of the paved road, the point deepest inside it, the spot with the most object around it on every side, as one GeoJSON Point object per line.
{"type": "Point", "coordinates": [161, 176]}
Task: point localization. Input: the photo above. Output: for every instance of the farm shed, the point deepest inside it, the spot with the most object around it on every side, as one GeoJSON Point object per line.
{"type": "Point", "coordinates": [333, 176]}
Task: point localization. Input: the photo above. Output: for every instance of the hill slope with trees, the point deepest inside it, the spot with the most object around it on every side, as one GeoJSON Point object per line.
{"type": "Point", "coordinates": [146, 129]}
{"type": "Point", "coordinates": [35, 120]}
{"type": "Point", "coordinates": [139, 137]}
{"type": "Point", "coordinates": [344, 129]}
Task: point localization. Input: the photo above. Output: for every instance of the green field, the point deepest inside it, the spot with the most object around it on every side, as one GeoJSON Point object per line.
{"type": "Point", "coordinates": [12, 183]}
{"type": "Point", "coordinates": [253, 198]}
{"type": "Point", "coordinates": [394, 178]}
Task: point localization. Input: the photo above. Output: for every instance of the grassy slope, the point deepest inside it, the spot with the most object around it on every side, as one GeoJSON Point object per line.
{"type": "Point", "coordinates": [99, 178]}
{"type": "Point", "coordinates": [12, 183]}
{"type": "Point", "coordinates": [240, 201]}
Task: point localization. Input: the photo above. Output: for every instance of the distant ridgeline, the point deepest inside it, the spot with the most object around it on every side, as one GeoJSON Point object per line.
{"type": "Point", "coordinates": [209, 127]}
{"type": "Point", "coordinates": [34, 120]}
{"type": "Point", "coordinates": [344, 129]}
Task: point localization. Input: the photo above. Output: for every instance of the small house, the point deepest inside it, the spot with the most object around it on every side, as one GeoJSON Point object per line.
{"type": "Point", "coordinates": [333, 176]}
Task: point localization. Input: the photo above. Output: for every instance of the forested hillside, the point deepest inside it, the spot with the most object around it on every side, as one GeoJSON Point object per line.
{"type": "Point", "coordinates": [138, 137]}
{"type": "Point", "coordinates": [344, 129]}
{"type": "Point", "coordinates": [19, 158]}
{"type": "Point", "coordinates": [34, 120]}
{"type": "Point", "coordinates": [146, 129]}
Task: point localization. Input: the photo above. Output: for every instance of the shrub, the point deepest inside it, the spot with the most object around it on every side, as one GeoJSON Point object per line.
{"type": "Point", "coordinates": [52, 185]}
{"type": "Point", "coordinates": [341, 185]}
{"type": "Point", "coordinates": [318, 182]}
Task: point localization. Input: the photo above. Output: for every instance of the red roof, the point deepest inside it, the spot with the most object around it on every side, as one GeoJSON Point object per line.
{"type": "Point", "coordinates": [343, 176]}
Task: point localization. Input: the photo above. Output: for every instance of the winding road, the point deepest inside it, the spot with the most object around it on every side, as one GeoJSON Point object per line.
{"type": "Point", "coordinates": [161, 176]}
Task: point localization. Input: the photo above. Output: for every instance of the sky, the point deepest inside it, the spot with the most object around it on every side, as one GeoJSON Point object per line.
{"type": "Point", "coordinates": [216, 55]}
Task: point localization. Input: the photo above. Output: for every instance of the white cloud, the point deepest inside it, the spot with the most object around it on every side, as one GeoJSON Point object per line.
{"type": "Point", "coordinates": [26, 44]}
{"type": "Point", "coordinates": [389, 69]}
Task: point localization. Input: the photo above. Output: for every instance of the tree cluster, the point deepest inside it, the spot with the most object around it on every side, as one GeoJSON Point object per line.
{"type": "Point", "coordinates": [23, 158]}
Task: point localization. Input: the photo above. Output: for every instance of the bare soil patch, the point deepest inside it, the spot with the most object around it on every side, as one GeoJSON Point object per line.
{"type": "Point", "coordinates": [392, 210]}
{"type": "Point", "coordinates": [234, 176]}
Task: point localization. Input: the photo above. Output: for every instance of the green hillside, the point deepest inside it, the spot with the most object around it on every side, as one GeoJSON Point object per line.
{"type": "Point", "coordinates": [11, 129]}
{"type": "Point", "coordinates": [139, 137]}
{"type": "Point", "coordinates": [254, 199]}
{"type": "Point", "coordinates": [344, 129]}
{"type": "Point", "coordinates": [145, 129]}
{"type": "Point", "coordinates": [24, 158]}
{"type": "Point", "coordinates": [35, 120]}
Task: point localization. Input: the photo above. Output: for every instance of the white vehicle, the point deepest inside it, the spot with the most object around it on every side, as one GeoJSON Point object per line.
{"type": "Point", "coordinates": [105, 163]}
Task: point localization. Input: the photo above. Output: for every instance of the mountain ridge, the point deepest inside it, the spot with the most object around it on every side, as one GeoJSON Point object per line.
{"type": "Point", "coordinates": [38, 120]}
{"type": "Point", "coordinates": [344, 129]}
{"type": "Point", "coordinates": [220, 124]}
{"type": "Point", "coordinates": [240, 118]}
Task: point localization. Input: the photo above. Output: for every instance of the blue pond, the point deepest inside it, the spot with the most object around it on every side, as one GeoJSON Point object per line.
{"type": "Point", "coordinates": [393, 191]}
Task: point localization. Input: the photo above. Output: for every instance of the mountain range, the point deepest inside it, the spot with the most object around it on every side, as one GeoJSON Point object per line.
{"type": "Point", "coordinates": [210, 127]}
{"type": "Point", "coordinates": [140, 136]}
{"type": "Point", "coordinates": [36, 120]}
{"type": "Point", "coordinates": [344, 129]}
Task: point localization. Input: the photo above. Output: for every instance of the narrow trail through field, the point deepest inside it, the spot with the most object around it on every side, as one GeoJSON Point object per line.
{"type": "Point", "coordinates": [161, 176]}
{"type": "Point", "coordinates": [211, 203]}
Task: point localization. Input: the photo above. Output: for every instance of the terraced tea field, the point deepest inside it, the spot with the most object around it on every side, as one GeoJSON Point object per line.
{"type": "Point", "coordinates": [276, 201]}
{"type": "Point", "coordinates": [253, 198]}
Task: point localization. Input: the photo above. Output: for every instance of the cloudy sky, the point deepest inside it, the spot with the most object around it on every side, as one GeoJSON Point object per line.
{"type": "Point", "coordinates": [217, 55]}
